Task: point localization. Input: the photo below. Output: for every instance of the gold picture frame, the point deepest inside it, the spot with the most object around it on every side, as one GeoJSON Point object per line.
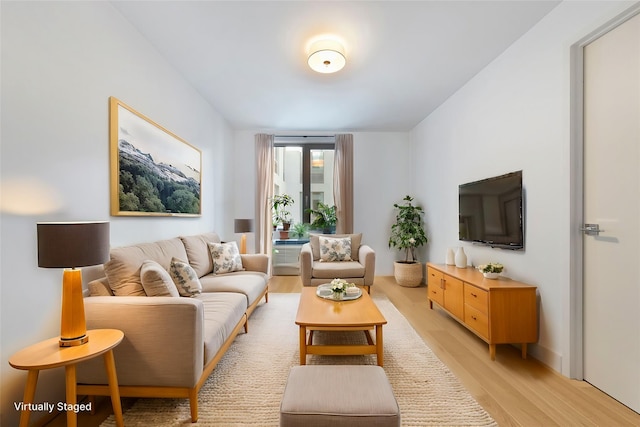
{"type": "Point", "coordinates": [153, 171]}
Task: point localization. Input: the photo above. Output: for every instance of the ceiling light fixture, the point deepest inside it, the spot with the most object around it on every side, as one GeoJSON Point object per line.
{"type": "Point", "coordinates": [326, 56]}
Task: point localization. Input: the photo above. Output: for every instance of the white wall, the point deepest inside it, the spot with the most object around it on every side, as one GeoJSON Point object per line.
{"type": "Point", "coordinates": [514, 115]}
{"type": "Point", "coordinates": [381, 178]}
{"type": "Point", "coordinates": [60, 63]}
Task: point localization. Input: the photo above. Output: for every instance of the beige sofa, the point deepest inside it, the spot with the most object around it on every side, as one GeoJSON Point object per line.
{"type": "Point", "coordinates": [359, 270]}
{"type": "Point", "coordinates": [171, 343]}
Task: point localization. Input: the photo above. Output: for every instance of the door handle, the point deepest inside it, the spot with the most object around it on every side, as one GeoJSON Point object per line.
{"type": "Point", "coordinates": [591, 229]}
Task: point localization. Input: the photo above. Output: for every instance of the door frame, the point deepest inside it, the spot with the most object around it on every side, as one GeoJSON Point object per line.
{"type": "Point", "coordinates": [573, 365]}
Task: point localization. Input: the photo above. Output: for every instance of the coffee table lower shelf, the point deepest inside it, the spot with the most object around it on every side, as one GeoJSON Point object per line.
{"type": "Point", "coordinates": [372, 347]}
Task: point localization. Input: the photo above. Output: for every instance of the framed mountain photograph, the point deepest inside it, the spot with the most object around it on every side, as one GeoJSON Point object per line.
{"type": "Point", "coordinates": [153, 171]}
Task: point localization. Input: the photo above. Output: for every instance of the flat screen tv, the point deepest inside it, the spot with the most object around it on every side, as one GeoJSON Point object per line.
{"type": "Point", "coordinates": [491, 211]}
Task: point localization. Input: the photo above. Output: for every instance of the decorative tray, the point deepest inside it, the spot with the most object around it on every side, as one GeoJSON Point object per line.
{"type": "Point", "coordinates": [324, 291]}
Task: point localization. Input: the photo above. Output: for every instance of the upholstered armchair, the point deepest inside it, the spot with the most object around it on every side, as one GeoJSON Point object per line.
{"type": "Point", "coordinates": [330, 256]}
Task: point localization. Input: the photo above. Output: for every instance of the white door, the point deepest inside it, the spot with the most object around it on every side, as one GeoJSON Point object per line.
{"type": "Point", "coordinates": [612, 200]}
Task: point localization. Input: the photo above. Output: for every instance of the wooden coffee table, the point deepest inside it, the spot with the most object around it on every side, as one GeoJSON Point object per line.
{"type": "Point", "coordinates": [319, 314]}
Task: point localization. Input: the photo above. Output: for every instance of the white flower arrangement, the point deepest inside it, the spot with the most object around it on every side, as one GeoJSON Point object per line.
{"type": "Point", "coordinates": [492, 267]}
{"type": "Point", "coordinates": [340, 286]}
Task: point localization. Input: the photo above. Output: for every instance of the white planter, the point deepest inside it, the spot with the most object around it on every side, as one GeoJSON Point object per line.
{"type": "Point", "coordinates": [491, 275]}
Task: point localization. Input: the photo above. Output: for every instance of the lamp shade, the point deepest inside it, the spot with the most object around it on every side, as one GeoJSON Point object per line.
{"type": "Point", "coordinates": [243, 225]}
{"type": "Point", "coordinates": [72, 244]}
{"type": "Point", "coordinates": [326, 56]}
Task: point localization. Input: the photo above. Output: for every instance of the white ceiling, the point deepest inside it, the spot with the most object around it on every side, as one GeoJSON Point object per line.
{"type": "Point", "coordinates": [248, 59]}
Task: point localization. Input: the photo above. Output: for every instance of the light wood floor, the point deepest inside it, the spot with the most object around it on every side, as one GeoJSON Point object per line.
{"type": "Point", "coordinates": [515, 391]}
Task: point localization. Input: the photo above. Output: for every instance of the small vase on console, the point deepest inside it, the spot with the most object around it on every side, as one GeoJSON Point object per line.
{"type": "Point", "coordinates": [461, 258]}
{"type": "Point", "coordinates": [451, 257]}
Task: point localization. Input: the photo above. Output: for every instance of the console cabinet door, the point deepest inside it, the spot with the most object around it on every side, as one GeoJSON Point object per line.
{"type": "Point", "coordinates": [454, 296]}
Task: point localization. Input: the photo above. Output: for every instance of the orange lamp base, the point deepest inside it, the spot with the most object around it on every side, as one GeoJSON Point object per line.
{"type": "Point", "coordinates": [73, 326]}
{"type": "Point", "coordinates": [243, 244]}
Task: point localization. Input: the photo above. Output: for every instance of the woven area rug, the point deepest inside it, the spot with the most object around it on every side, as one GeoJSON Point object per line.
{"type": "Point", "coordinates": [246, 387]}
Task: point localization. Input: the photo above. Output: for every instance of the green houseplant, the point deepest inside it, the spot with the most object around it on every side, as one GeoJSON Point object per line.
{"type": "Point", "coordinates": [324, 218]}
{"type": "Point", "coordinates": [299, 230]}
{"type": "Point", "coordinates": [281, 214]}
{"type": "Point", "coordinates": [407, 234]}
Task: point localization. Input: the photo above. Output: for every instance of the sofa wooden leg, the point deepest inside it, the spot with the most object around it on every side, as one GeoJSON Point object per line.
{"type": "Point", "coordinates": [193, 404]}
{"type": "Point", "coordinates": [368, 288]}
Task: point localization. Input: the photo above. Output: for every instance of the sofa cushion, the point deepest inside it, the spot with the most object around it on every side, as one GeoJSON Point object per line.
{"type": "Point", "coordinates": [226, 257]}
{"type": "Point", "coordinates": [222, 312]}
{"type": "Point", "coordinates": [123, 268]}
{"type": "Point", "coordinates": [250, 283]}
{"type": "Point", "coordinates": [332, 270]}
{"type": "Point", "coordinates": [156, 281]}
{"type": "Point", "coordinates": [314, 241]}
{"type": "Point", "coordinates": [335, 249]}
{"type": "Point", "coordinates": [99, 288]}
{"type": "Point", "coordinates": [198, 253]}
{"type": "Point", "coordinates": [185, 278]}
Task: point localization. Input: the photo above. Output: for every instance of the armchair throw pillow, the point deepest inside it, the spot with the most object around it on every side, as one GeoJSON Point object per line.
{"type": "Point", "coordinates": [335, 249]}
{"type": "Point", "coordinates": [314, 240]}
{"type": "Point", "coordinates": [226, 257]}
{"type": "Point", "coordinates": [185, 278]}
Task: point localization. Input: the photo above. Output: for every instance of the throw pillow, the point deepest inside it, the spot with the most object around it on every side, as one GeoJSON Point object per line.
{"type": "Point", "coordinates": [185, 278]}
{"type": "Point", "coordinates": [355, 244]}
{"type": "Point", "coordinates": [156, 281]}
{"type": "Point", "coordinates": [332, 249]}
{"type": "Point", "coordinates": [226, 257]}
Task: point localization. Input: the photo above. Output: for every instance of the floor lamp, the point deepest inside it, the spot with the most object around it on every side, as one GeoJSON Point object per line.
{"type": "Point", "coordinates": [70, 245]}
{"type": "Point", "coordinates": [243, 226]}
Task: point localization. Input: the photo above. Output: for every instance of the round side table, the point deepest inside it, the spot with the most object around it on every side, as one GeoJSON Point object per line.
{"type": "Point", "coordinates": [48, 354]}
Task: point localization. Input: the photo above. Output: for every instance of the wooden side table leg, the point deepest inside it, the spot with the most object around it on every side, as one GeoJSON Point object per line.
{"type": "Point", "coordinates": [110, 365]}
{"type": "Point", "coordinates": [303, 345]}
{"type": "Point", "coordinates": [70, 379]}
{"type": "Point", "coordinates": [379, 346]}
{"type": "Point", "coordinates": [524, 350]}
{"type": "Point", "coordinates": [492, 351]}
{"type": "Point", "coordinates": [29, 395]}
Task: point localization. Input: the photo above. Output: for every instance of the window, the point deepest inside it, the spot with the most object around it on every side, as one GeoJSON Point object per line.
{"type": "Point", "coordinates": [309, 172]}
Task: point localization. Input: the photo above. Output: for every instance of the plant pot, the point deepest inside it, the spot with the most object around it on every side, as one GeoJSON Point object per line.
{"type": "Point", "coordinates": [286, 226]}
{"type": "Point", "coordinates": [408, 274]}
{"type": "Point", "coordinates": [284, 234]}
{"type": "Point", "coordinates": [491, 275]}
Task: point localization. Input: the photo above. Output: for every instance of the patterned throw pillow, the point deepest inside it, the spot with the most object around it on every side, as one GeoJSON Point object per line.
{"type": "Point", "coordinates": [156, 281]}
{"type": "Point", "coordinates": [226, 257]}
{"type": "Point", "coordinates": [335, 249]}
{"type": "Point", "coordinates": [185, 278]}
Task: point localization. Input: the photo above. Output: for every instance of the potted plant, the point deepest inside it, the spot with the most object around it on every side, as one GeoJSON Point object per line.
{"type": "Point", "coordinates": [324, 218]}
{"type": "Point", "coordinates": [299, 230]}
{"type": "Point", "coordinates": [491, 270]}
{"type": "Point", "coordinates": [281, 215]}
{"type": "Point", "coordinates": [408, 234]}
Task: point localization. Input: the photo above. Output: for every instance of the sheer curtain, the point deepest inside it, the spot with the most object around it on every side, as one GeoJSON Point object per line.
{"type": "Point", "coordinates": [343, 183]}
{"type": "Point", "coordinates": [264, 192]}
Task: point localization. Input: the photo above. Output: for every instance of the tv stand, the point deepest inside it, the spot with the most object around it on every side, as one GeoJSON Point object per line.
{"type": "Point", "coordinates": [499, 311]}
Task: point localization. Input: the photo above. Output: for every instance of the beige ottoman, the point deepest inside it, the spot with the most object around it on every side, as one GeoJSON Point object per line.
{"type": "Point", "coordinates": [344, 395]}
